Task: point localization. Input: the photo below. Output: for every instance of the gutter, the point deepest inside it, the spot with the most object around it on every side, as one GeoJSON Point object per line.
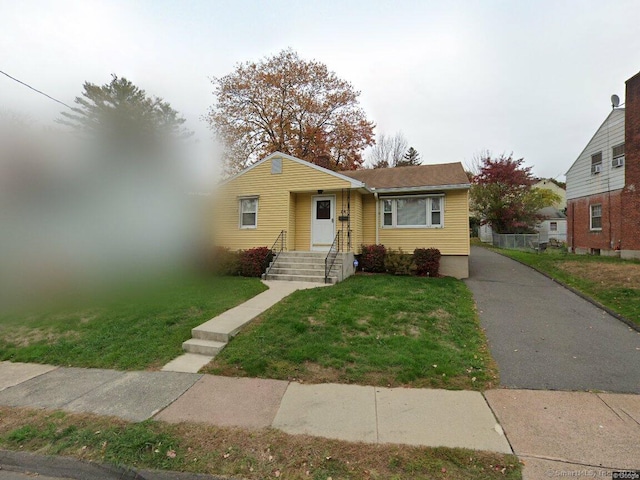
{"type": "Point", "coordinates": [424, 188]}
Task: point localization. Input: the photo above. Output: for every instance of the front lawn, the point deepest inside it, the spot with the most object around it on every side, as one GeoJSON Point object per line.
{"type": "Point", "coordinates": [370, 329]}
{"type": "Point", "coordinates": [238, 453]}
{"type": "Point", "coordinates": [132, 333]}
{"type": "Point", "coordinates": [613, 282]}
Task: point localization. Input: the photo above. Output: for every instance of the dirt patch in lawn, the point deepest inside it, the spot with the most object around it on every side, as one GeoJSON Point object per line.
{"type": "Point", "coordinates": [315, 373]}
{"type": "Point", "coordinates": [605, 274]}
{"type": "Point", "coordinates": [24, 336]}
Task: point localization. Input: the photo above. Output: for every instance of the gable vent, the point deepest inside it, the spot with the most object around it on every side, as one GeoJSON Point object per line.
{"type": "Point", "coordinates": [276, 166]}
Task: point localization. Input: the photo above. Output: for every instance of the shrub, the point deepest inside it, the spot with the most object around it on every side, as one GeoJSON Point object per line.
{"type": "Point", "coordinates": [225, 262]}
{"type": "Point", "coordinates": [254, 261]}
{"type": "Point", "coordinates": [427, 261]}
{"type": "Point", "coordinates": [399, 263]}
{"type": "Point", "coordinates": [372, 258]}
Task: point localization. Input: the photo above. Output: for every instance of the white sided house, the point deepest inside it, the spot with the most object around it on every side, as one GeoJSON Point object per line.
{"type": "Point", "coordinates": [594, 190]}
{"type": "Point", "coordinates": [554, 226]}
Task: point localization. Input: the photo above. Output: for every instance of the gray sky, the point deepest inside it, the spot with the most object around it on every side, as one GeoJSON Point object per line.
{"type": "Point", "coordinates": [455, 77]}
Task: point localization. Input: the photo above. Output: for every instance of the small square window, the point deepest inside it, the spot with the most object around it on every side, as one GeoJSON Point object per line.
{"type": "Point", "coordinates": [248, 212]}
{"type": "Point", "coordinates": [323, 209]}
{"type": "Point", "coordinates": [553, 226]}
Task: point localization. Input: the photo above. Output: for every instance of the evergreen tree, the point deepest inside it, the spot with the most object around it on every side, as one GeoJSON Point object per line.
{"type": "Point", "coordinates": [410, 158]}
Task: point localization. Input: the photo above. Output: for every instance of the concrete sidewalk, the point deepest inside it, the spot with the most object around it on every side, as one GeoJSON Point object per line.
{"type": "Point", "coordinates": [570, 434]}
{"type": "Point", "coordinates": [347, 412]}
{"type": "Point", "coordinates": [554, 433]}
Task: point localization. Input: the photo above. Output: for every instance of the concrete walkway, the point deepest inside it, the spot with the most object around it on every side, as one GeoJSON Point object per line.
{"type": "Point", "coordinates": [213, 335]}
{"type": "Point", "coordinates": [543, 336]}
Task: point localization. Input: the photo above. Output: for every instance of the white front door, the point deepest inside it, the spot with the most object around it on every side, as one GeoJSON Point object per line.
{"type": "Point", "coordinates": [322, 222]}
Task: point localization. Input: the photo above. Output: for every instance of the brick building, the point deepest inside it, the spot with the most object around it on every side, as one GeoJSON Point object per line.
{"type": "Point", "coordinates": [603, 185]}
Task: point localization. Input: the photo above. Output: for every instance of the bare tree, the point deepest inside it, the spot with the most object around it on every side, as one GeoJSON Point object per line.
{"type": "Point", "coordinates": [388, 150]}
{"type": "Point", "coordinates": [473, 166]}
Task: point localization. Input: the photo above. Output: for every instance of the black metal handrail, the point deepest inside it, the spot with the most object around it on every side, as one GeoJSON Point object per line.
{"type": "Point", "coordinates": [277, 249]}
{"type": "Point", "coordinates": [331, 256]}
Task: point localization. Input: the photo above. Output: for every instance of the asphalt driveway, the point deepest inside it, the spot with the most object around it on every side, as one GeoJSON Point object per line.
{"type": "Point", "coordinates": [543, 336]}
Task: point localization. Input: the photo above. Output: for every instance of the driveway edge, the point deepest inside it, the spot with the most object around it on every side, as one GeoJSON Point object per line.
{"type": "Point", "coordinates": [582, 295]}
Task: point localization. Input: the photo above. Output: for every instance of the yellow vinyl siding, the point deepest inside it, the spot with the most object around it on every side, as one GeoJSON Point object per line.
{"type": "Point", "coordinates": [453, 239]}
{"type": "Point", "coordinates": [291, 231]}
{"type": "Point", "coordinates": [278, 208]}
{"type": "Point", "coordinates": [369, 222]}
{"type": "Point", "coordinates": [303, 221]}
{"type": "Point", "coordinates": [356, 221]}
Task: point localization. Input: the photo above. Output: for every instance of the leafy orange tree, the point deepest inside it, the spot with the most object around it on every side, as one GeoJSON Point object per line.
{"type": "Point", "coordinates": [287, 104]}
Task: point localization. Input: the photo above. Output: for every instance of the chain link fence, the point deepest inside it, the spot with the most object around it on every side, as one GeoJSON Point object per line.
{"type": "Point", "coordinates": [532, 242]}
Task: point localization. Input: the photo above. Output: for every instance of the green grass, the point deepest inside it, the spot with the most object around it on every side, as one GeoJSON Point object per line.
{"type": "Point", "coordinates": [133, 332]}
{"type": "Point", "coordinates": [376, 329]}
{"type": "Point", "coordinates": [605, 279]}
{"type": "Point", "coordinates": [239, 453]}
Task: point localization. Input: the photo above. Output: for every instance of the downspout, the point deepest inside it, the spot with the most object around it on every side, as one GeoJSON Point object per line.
{"type": "Point", "coordinates": [375, 195]}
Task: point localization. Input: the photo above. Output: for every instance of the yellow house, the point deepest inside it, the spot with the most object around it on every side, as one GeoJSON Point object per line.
{"type": "Point", "coordinates": [301, 207]}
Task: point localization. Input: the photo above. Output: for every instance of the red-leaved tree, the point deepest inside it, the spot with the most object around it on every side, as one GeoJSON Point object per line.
{"type": "Point", "coordinates": [503, 197]}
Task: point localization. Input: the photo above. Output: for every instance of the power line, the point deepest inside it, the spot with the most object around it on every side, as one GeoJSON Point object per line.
{"type": "Point", "coordinates": [35, 90]}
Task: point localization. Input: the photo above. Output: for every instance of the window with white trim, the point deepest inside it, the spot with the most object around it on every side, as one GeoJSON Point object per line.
{"type": "Point", "coordinates": [617, 154]}
{"type": "Point", "coordinates": [249, 212]}
{"type": "Point", "coordinates": [553, 226]}
{"type": "Point", "coordinates": [596, 163]}
{"type": "Point", "coordinates": [595, 216]}
{"type": "Point", "coordinates": [413, 212]}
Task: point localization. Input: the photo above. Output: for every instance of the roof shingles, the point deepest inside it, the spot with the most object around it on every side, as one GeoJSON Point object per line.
{"type": "Point", "coordinates": [427, 176]}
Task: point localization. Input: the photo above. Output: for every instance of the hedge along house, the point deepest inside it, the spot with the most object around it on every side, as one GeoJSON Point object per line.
{"type": "Point", "coordinates": [310, 212]}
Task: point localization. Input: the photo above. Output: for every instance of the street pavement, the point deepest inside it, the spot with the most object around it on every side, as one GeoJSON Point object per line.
{"type": "Point", "coordinates": [544, 336]}
{"type": "Point", "coordinates": [16, 465]}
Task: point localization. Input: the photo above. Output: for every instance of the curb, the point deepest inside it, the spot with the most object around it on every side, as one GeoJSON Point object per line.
{"type": "Point", "coordinates": [582, 295]}
{"type": "Point", "coordinates": [72, 468]}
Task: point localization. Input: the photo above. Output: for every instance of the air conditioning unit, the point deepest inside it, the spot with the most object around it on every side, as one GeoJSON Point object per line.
{"type": "Point", "coordinates": [596, 168]}
{"type": "Point", "coordinates": [617, 162]}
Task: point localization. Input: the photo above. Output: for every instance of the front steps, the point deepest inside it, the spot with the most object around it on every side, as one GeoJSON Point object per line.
{"type": "Point", "coordinates": [304, 267]}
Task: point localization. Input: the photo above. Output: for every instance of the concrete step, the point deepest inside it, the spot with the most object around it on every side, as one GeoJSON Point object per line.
{"type": "Point", "coordinates": [310, 272]}
{"type": "Point", "coordinates": [295, 253]}
{"type": "Point", "coordinates": [203, 347]}
{"type": "Point", "coordinates": [202, 332]}
{"type": "Point", "coordinates": [301, 278]}
{"type": "Point", "coordinates": [292, 264]}
{"type": "Point", "coordinates": [308, 260]}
